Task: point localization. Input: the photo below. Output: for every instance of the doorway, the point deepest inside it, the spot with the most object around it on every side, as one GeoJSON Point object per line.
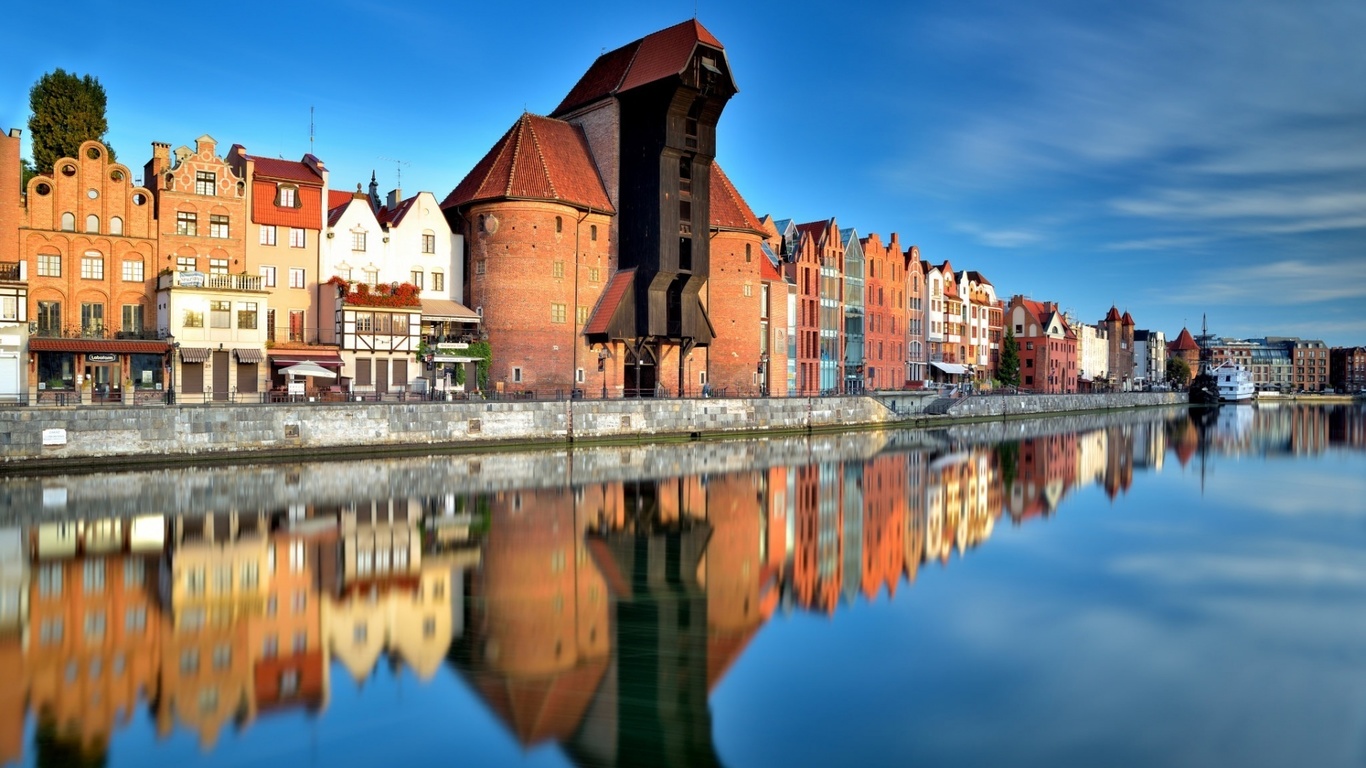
{"type": "Point", "coordinates": [104, 379]}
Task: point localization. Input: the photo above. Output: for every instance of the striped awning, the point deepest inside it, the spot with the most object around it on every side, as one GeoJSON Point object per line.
{"type": "Point", "coordinates": [249, 355]}
{"type": "Point", "coordinates": [194, 354]}
{"type": "Point", "coordinates": [445, 309]}
{"type": "Point", "coordinates": [951, 368]}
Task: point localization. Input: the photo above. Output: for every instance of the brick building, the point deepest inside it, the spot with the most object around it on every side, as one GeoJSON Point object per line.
{"type": "Point", "coordinates": [885, 311]}
{"type": "Point", "coordinates": [1048, 346]}
{"type": "Point", "coordinates": [13, 274]}
{"type": "Point", "coordinates": [1185, 348]}
{"type": "Point", "coordinates": [1119, 333]}
{"type": "Point", "coordinates": [819, 273]}
{"type": "Point", "coordinates": [89, 243]}
{"type": "Point", "coordinates": [1347, 369]}
{"type": "Point", "coordinates": [917, 348]}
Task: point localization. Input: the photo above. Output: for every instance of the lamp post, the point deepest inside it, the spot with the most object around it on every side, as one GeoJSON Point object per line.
{"type": "Point", "coordinates": [172, 345]}
{"type": "Point", "coordinates": [763, 375]}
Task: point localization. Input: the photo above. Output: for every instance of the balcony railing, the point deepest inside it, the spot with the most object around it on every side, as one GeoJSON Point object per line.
{"type": "Point", "coordinates": [11, 270]}
{"type": "Point", "coordinates": [94, 332]}
{"type": "Point", "coordinates": [211, 282]}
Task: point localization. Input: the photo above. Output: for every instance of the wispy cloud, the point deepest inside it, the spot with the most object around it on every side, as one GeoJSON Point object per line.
{"type": "Point", "coordinates": [999, 238]}
{"type": "Point", "coordinates": [1289, 281]}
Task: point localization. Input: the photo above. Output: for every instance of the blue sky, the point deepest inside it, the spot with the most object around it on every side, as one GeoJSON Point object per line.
{"type": "Point", "coordinates": [1171, 157]}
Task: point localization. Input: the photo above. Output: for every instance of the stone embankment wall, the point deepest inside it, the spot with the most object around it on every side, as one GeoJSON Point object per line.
{"type": "Point", "coordinates": [68, 435]}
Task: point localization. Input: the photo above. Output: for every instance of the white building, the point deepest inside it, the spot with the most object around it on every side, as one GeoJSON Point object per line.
{"type": "Point", "coordinates": [1150, 357]}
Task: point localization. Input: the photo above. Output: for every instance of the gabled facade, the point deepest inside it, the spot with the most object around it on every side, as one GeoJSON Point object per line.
{"type": "Point", "coordinates": [856, 321]}
{"type": "Point", "coordinates": [13, 274]}
{"type": "Point", "coordinates": [88, 238]}
{"type": "Point", "coordinates": [1048, 346]}
{"type": "Point", "coordinates": [983, 319]}
{"type": "Point", "coordinates": [1150, 357]}
{"type": "Point", "coordinates": [917, 346]}
{"type": "Point", "coordinates": [205, 299]}
{"type": "Point", "coordinates": [821, 244]}
{"type": "Point", "coordinates": [886, 313]}
{"type": "Point", "coordinates": [1119, 332]}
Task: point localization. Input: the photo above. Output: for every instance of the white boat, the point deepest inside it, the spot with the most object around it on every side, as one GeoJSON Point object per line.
{"type": "Point", "coordinates": [1235, 383]}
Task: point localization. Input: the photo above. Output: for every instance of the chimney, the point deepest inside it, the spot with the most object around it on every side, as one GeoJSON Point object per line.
{"type": "Point", "coordinates": [395, 197]}
{"type": "Point", "coordinates": [11, 199]}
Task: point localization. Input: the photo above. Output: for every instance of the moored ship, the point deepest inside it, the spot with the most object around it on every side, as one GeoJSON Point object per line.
{"type": "Point", "coordinates": [1234, 382]}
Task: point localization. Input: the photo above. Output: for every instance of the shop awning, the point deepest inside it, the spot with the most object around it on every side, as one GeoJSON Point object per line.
{"type": "Point", "coordinates": [953, 368]}
{"type": "Point", "coordinates": [326, 357]}
{"type": "Point", "coordinates": [447, 310]}
{"type": "Point", "coordinates": [107, 346]}
{"type": "Point", "coordinates": [249, 355]}
{"type": "Point", "coordinates": [194, 354]}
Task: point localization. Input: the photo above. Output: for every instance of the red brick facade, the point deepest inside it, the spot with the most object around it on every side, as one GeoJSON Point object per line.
{"type": "Point", "coordinates": [1048, 346]}
{"type": "Point", "coordinates": [884, 313]}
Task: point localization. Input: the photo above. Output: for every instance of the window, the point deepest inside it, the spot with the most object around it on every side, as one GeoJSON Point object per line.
{"type": "Point", "coordinates": [559, 225]}
{"type": "Point", "coordinates": [68, 222]}
{"type": "Point", "coordinates": [300, 601]}
{"type": "Point", "coordinates": [372, 276]}
{"type": "Point", "coordinates": [92, 223]}
{"type": "Point", "coordinates": [287, 197]}
{"type": "Point", "coordinates": [115, 226]}
{"type": "Point", "coordinates": [438, 281]}
{"type": "Point", "coordinates": [92, 266]}
{"type": "Point", "coordinates": [49, 316]}
{"type": "Point", "coordinates": [93, 571]}
{"type": "Point", "coordinates": [192, 318]}
{"type": "Point", "coordinates": [479, 267]}
{"type": "Point", "coordinates": [296, 555]}
{"type": "Point", "coordinates": [135, 619]}
{"type": "Point", "coordinates": [49, 265]}
{"type": "Point", "coordinates": [748, 290]}
{"type": "Point", "coordinates": [218, 266]}
{"type": "Point", "coordinates": [516, 374]}
{"type": "Point", "coordinates": [92, 318]}
{"type": "Point", "coordinates": [132, 271]}
{"type": "Point", "coordinates": [428, 242]}
{"type": "Point", "coordinates": [296, 325]}
{"type": "Point", "coordinates": [594, 275]}
{"type": "Point", "coordinates": [300, 642]}
{"type": "Point", "coordinates": [297, 238]}
{"type": "Point", "coordinates": [415, 277]}
{"type": "Point", "coordinates": [267, 276]}
{"type": "Point", "coordinates": [251, 575]}
{"type": "Point", "coordinates": [297, 277]}
{"type": "Point", "coordinates": [205, 183]}
{"type": "Point", "coordinates": [218, 226]}
{"type": "Point", "coordinates": [593, 232]}
{"type": "Point", "coordinates": [186, 223]}
{"type": "Point", "coordinates": [222, 656]}
{"type": "Point", "coordinates": [194, 581]}
{"type": "Point", "coordinates": [246, 315]}
{"type": "Point", "coordinates": [132, 318]}
{"type": "Point", "coordinates": [270, 647]}
{"type": "Point", "coordinates": [94, 626]}
{"type": "Point", "coordinates": [357, 241]}
{"type": "Point", "coordinates": [581, 315]}
{"type": "Point", "coordinates": [557, 269]}
{"type": "Point", "coordinates": [220, 314]}
{"type": "Point", "coordinates": [365, 322]}
{"type": "Point", "coordinates": [186, 264]}
{"type": "Point", "coordinates": [189, 661]}
{"type": "Point", "coordinates": [747, 253]}
{"type": "Point", "coordinates": [267, 235]}
{"type": "Point", "coordinates": [557, 312]}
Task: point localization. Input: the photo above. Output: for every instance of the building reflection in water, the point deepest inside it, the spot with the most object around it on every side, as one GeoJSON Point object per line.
{"type": "Point", "coordinates": [598, 617]}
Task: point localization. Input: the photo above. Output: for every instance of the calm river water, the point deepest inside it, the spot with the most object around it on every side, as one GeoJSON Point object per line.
{"type": "Point", "coordinates": [1147, 588]}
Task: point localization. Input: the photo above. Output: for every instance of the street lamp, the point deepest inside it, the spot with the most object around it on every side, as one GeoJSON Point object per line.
{"type": "Point", "coordinates": [172, 345]}
{"type": "Point", "coordinates": [763, 375]}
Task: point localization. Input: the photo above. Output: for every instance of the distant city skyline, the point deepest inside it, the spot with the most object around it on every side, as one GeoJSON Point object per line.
{"type": "Point", "coordinates": [1174, 159]}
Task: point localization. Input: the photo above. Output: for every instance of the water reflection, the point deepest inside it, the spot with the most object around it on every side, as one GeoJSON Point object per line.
{"type": "Point", "coordinates": [597, 616]}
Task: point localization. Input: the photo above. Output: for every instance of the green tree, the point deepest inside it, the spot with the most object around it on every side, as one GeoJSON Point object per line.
{"type": "Point", "coordinates": [1178, 371]}
{"type": "Point", "coordinates": [67, 110]}
{"type": "Point", "coordinates": [1008, 369]}
{"type": "Point", "coordinates": [27, 171]}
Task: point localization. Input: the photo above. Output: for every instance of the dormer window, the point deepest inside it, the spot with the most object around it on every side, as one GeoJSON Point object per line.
{"type": "Point", "coordinates": [287, 196]}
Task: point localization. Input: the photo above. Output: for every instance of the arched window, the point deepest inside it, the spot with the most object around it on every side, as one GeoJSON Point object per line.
{"type": "Point", "coordinates": [559, 225]}
{"type": "Point", "coordinates": [92, 223]}
{"type": "Point", "coordinates": [115, 226]}
{"type": "Point", "coordinates": [68, 222]}
{"type": "Point", "coordinates": [593, 232]}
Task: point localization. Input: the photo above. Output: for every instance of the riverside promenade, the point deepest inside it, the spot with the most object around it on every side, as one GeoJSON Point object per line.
{"type": "Point", "coordinates": [122, 436]}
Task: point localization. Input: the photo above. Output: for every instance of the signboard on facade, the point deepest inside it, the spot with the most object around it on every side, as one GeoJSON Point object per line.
{"type": "Point", "coordinates": [54, 437]}
{"type": "Point", "coordinates": [101, 357]}
{"type": "Point", "coordinates": [190, 279]}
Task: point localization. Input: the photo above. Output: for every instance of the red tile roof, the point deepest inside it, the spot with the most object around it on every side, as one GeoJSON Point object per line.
{"type": "Point", "coordinates": [337, 198]}
{"type": "Point", "coordinates": [978, 278]}
{"type": "Point", "coordinates": [285, 170]}
{"type": "Point", "coordinates": [1127, 319]}
{"type": "Point", "coordinates": [1113, 314]}
{"type": "Point", "coordinates": [537, 159]}
{"type": "Point", "coordinates": [1184, 342]}
{"type": "Point", "coordinates": [728, 209]}
{"type": "Point", "coordinates": [391, 217]}
{"type": "Point", "coordinates": [644, 61]}
{"type": "Point", "coordinates": [308, 215]}
{"type": "Point", "coordinates": [617, 289]}
{"type": "Point", "coordinates": [768, 272]}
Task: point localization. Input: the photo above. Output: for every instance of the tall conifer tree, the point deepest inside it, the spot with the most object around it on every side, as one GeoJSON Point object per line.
{"type": "Point", "coordinates": [1008, 369]}
{"type": "Point", "coordinates": [67, 110]}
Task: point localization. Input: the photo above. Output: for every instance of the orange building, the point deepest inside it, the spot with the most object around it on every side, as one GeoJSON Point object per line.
{"type": "Point", "coordinates": [1048, 346]}
{"type": "Point", "coordinates": [885, 312]}
{"type": "Point", "coordinates": [89, 242]}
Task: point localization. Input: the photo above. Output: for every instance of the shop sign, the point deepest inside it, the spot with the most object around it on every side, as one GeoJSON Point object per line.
{"type": "Point", "coordinates": [101, 357]}
{"type": "Point", "coordinates": [190, 279]}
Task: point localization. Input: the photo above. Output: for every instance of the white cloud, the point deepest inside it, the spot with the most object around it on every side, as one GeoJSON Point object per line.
{"type": "Point", "coordinates": [999, 238]}
{"type": "Point", "coordinates": [1284, 282]}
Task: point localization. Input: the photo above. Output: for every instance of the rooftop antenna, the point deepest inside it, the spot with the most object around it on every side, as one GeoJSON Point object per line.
{"type": "Point", "coordinates": [398, 169]}
{"type": "Point", "coordinates": [310, 130]}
